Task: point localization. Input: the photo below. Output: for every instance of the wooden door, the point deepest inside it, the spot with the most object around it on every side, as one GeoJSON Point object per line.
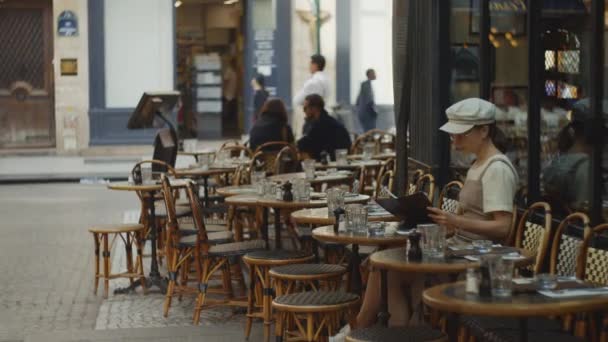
{"type": "Point", "coordinates": [26, 74]}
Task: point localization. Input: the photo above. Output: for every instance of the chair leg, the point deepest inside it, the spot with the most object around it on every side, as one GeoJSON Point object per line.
{"type": "Point", "coordinates": [172, 258]}
{"type": "Point", "coordinates": [267, 304]}
{"type": "Point", "coordinates": [200, 300]}
{"type": "Point", "coordinates": [96, 239]}
{"type": "Point", "coordinates": [139, 243]}
{"type": "Point", "coordinates": [129, 255]}
{"type": "Point", "coordinates": [310, 327]}
{"type": "Point", "coordinates": [250, 300]}
{"type": "Point", "coordinates": [106, 266]}
{"type": "Point", "coordinates": [278, 327]}
{"type": "Point", "coordinates": [227, 280]}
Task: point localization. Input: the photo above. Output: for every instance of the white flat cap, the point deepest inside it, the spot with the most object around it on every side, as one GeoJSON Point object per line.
{"type": "Point", "coordinates": [466, 114]}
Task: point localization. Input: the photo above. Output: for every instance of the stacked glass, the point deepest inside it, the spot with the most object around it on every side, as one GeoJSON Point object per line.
{"type": "Point", "coordinates": [301, 190]}
{"type": "Point", "coordinates": [356, 218]}
{"type": "Point", "coordinates": [308, 166]}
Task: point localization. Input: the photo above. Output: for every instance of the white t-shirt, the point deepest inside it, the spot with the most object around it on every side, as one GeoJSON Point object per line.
{"type": "Point", "coordinates": [499, 184]}
{"type": "Point", "coordinates": [318, 83]}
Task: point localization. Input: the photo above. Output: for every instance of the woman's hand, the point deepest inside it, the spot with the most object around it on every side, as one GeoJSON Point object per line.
{"type": "Point", "coordinates": [442, 217]}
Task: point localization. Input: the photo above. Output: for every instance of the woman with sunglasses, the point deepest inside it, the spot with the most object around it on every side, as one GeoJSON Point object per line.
{"type": "Point", "coordinates": [486, 203]}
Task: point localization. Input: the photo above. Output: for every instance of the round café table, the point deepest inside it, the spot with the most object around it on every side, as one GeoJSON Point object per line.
{"type": "Point", "coordinates": [263, 203]}
{"type": "Point", "coordinates": [234, 190]}
{"type": "Point", "coordinates": [319, 217]}
{"type": "Point", "coordinates": [290, 206]}
{"type": "Point", "coordinates": [148, 191]}
{"type": "Point", "coordinates": [452, 298]}
{"type": "Point", "coordinates": [378, 156]}
{"type": "Point", "coordinates": [204, 174]}
{"type": "Point", "coordinates": [196, 154]}
{"type": "Point", "coordinates": [351, 165]}
{"type": "Point", "coordinates": [321, 177]}
{"type": "Point", "coordinates": [389, 239]}
{"type": "Point", "coordinates": [396, 259]}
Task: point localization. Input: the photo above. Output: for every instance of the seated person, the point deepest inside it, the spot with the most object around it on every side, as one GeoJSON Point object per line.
{"type": "Point", "coordinates": [271, 125]}
{"type": "Point", "coordinates": [566, 179]}
{"type": "Point", "coordinates": [325, 133]}
{"type": "Point", "coordinates": [486, 203]}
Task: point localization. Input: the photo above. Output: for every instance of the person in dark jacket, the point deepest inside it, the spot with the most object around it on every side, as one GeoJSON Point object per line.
{"type": "Point", "coordinates": [271, 125]}
{"type": "Point", "coordinates": [366, 105]}
{"type": "Point", "coordinates": [260, 95]}
{"type": "Point", "coordinates": [325, 134]}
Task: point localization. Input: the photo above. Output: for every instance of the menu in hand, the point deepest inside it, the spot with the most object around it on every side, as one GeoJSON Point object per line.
{"type": "Point", "coordinates": [410, 209]}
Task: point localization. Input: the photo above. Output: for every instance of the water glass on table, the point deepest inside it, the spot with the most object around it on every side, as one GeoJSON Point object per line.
{"type": "Point", "coordinates": [368, 151]}
{"type": "Point", "coordinates": [270, 190]}
{"type": "Point", "coordinates": [308, 166]}
{"type": "Point", "coordinates": [341, 157]}
{"type": "Point", "coordinates": [335, 200]}
{"type": "Point", "coordinates": [257, 176]}
{"type": "Point", "coordinates": [146, 175]}
{"type": "Point", "coordinates": [356, 218]}
{"type": "Point", "coordinates": [301, 190]}
{"type": "Point", "coordinates": [501, 275]}
{"type": "Point", "coordinates": [433, 240]}
{"type": "Point", "coordinates": [204, 160]}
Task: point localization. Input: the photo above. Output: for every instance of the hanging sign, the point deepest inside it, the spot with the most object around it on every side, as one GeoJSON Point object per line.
{"type": "Point", "coordinates": [67, 24]}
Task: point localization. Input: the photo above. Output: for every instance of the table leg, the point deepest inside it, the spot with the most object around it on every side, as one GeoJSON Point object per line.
{"type": "Point", "coordinates": [265, 226]}
{"type": "Point", "coordinates": [355, 272]}
{"type": "Point", "coordinates": [154, 279]}
{"type": "Point", "coordinates": [453, 323]}
{"type": "Point", "coordinates": [206, 190]}
{"type": "Point", "coordinates": [277, 228]}
{"type": "Point", "coordinates": [523, 330]}
{"type": "Point", "coordinates": [383, 315]}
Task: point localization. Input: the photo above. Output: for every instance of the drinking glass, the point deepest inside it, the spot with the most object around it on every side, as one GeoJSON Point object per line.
{"type": "Point", "coordinates": [270, 190]}
{"type": "Point", "coordinates": [146, 174]}
{"type": "Point", "coordinates": [349, 212]}
{"type": "Point", "coordinates": [546, 281]}
{"type": "Point", "coordinates": [261, 187]}
{"type": "Point", "coordinates": [335, 200]}
{"type": "Point", "coordinates": [341, 157]}
{"type": "Point", "coordinates": [301, 190]}
{"type": "Point", "coordinates": [368, 151]}
{"type": "Point", "coordinates": [257, 176]}
{"type": "Point", "coordinates": [190, 145]}
{"type": "Point", "coordinates": [483, 246]}
{"type": "Point", "coordinates": [308, 166]}
{"type": "Point", "coordinates": [376, 229]}
{"type": "Point", "coordinates": [359, 220]}
{"type": "Point", "coordinates": [204, 160]}
{"type": "Point", "coordinates": [501, 276]}
{"type": "Point", "coordinates": [433, 240]}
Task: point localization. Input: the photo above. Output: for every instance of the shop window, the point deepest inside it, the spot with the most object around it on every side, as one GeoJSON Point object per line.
{"type": "Point", "coordinates": [549, 60]}
{"type": "Point", "coordinates": [566, 91]}
{"type": "Point", "coordinates": [550, 89]}
{"type": "Point", "coordinates": [568, 61]}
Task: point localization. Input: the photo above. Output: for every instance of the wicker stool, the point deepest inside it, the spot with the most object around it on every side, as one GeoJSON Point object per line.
{"type": "Point", "coordinates": [260, 263]}
{"type": "Point", "coordinates": [321, 310]}
{"type": "Point", "coordinates": [378, 333]}
{"type": "Point", "coordinates": [130, 234]}
{"type": "Point", "coordinates": [291, 278]}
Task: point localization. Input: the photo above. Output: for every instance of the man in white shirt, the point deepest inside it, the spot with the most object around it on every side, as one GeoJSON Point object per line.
{"type": "Point", "coordinates": [318, 83]}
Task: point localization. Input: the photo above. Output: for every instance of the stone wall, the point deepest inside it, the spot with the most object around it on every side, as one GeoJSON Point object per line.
{"type": "Point", "coordinates": [71, 92]}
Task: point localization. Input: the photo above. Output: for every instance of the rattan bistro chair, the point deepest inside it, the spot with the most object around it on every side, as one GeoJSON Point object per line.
{"type": "Point", "coordinates": [592, 266]}
{"type": "Point", "coordinates": [260, 263]}
{"type": "Point", "coordinates": [214, 258]}
{"type": "Point", "coordinates": [565, 253]}
{"type": "Point", "coordinates": [182, 247]}
{"type": "Point", "coordinates": [287, 160]}
{"type": "Point", "coordinates": [130, 234]}
{"type": "Point", "coordinates": [320, 310]}
{"type": "Point", "coordinates": [448, 198]}
{"type": "Point", "coordinates": [378, 333]}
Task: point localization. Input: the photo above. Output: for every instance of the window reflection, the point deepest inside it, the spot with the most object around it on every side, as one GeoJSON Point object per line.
{"type": "Point", "coordinates": [565, 150]}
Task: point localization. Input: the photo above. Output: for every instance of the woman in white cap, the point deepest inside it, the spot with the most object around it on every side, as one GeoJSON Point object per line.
{"type": "Point", "coordinates": [486, 200]}
{"type": "Point", "coordinates": [486, 203]}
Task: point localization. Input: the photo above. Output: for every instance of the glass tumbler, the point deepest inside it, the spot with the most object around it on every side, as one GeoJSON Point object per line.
{"type": "Point", "coordinates": [433, 240]}
{"type": "Point", "coordinates": [501, 277]}
{"type": "Point", "coordinates": [349, 216]}
{"type": "Point", "coordinates": [341, 157]}
{"type": "Point", "coordinates": [335, 200]}
{"type": "Point", "coordinates": [368, 151]}
{"type": "Point", "coordinates": [308, 166]}
{"type": "Point", "coordinates": [359, 220]}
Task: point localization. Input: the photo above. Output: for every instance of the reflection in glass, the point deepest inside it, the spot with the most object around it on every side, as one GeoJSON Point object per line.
{"type": "Point", "coordinates": [565, 150]}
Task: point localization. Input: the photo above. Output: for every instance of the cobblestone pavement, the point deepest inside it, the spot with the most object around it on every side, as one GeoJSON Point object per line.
{"type": "Point", "coordinates": [46, 273]}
